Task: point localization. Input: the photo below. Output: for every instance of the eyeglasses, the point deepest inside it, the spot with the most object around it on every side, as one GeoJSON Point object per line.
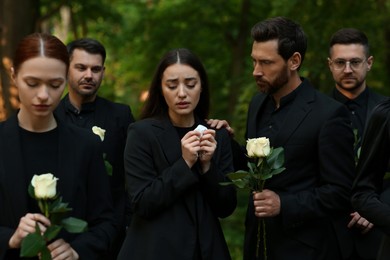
{"type": "Point", "coordinates": [340, 64]}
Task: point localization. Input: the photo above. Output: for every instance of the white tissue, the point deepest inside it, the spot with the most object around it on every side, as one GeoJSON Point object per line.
{"type": "Point", "coordinates": [200, 129]}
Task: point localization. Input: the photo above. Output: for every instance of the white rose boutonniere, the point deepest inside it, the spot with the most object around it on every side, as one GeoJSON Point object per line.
{"type": "Point", "coordinates": [43, 188]}
{"type": "Point", "coordinates": [99, 132]}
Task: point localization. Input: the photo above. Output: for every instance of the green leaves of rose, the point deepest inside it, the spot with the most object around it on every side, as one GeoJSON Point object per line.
{"type": "Point", "coordinates": [43, 188]}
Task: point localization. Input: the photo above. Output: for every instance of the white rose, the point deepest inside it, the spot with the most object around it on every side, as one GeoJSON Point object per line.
{"type": "Point", "coordinates": [258, 147]}
{"type": "Point", "coordinates": [99, 131]}
{"type": "Point", "coordinates": [44, 186]}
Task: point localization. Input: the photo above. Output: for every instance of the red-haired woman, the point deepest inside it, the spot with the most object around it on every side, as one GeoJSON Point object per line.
{"type": "Point", "coordinates": [33, 142]}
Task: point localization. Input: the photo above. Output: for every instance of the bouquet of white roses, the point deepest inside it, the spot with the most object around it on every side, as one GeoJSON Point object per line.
{"type": "Point", "coordinates": [264, 162]}
{"type": "Point", "coordinates": [43, 189]}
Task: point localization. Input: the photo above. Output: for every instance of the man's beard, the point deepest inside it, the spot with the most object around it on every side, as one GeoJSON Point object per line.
{"type": "Point", "coordinates": [273, 87]}
{"type": "Point", "coordinates": [86, 93]}
{"type": "Point", "coordinates": [352, 88]}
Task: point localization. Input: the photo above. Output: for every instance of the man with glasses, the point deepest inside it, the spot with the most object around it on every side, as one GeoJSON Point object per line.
{"type": "Point", "coordinates": [349, 61]}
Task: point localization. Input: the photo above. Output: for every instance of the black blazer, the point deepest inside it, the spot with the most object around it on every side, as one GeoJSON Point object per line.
{"type": "Point", "coordinates": [373, 100]}
{"type": "Point", "coordinates": [176, 209]}
{"type": "Point", "coordinates": [315, 187]}
{"type": "Point", "coordinates": [369, 196]}
{"type": "Point", "coordinates": [115, 119]}
{"type": "Point", "coordinates": [365, 245]}
{"type": "Point", "coordinates": [83, 184]}
{"type": "Point", "coordinates": [371, 191]}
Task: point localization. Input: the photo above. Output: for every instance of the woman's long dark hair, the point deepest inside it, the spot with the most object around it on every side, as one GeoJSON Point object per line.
{"type": "Point", "coordinates": [155, 105]}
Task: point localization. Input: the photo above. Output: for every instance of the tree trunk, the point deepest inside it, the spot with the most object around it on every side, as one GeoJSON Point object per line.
{"type": "Point", "coordinates": [17, 19]}
{"type": "Point", "coordinates": [239, 55]}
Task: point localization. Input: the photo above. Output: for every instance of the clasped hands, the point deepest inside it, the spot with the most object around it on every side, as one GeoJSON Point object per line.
{"type": "Point", "coordinates": [59, 248]}
{"type": "Point", "coordinates": [197, 146]}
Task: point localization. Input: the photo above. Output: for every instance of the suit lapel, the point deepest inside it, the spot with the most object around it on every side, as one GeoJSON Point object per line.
{"type": "Point", "coordinates": [168, 139]}
{"type": "Point", "coordinates": [297, 113]}
{"type": "Point", "coordinates": [100, 115]}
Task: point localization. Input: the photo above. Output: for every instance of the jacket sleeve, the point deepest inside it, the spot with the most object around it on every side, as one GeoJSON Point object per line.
{"type": "Point", "coordinates": [369, 197]}
{"type": "Point", "coordinates": [222, 199]}
{"type": "Point", "coordinates": [153, 185]}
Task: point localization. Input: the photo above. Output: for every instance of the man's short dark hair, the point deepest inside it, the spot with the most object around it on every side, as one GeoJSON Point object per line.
{"type": "Point", "coordinates": [290, 35]}
{"type": "Point", "coordinates": [91, 46]}
{"type": "Point", "coordinates": [350, 36]}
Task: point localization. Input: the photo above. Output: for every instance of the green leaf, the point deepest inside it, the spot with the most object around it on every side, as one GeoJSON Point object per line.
{"type": "Point", "coordinates": [51, 232]}
{"type": "Point", "coordinates": [31, 191]}
{"type": "Point", "coordinates": [227, 183]}
{"type": "Point", "coordinates": [277, 171]}
{"type": "Point", "coordinates": [107, 164]}
{"type": "Point", "coordinates": [241, 183]}
{"type": "Point", "coordinates": [251, 166]}
{"type": "Point", "coordinates": [74, 225]}
{"type": "Point", "coordinates": [276, 158]}
{"type": "Point", "coordinates": [32, 244]}
{"type": "Point", "coordinates": [59, 206]}
{"type": "Point", "coordinates": [45, 254]}
{"type": "Point", "coordinates": [237, 175]}
{"type": "Point", "coordinates": [108, 167]}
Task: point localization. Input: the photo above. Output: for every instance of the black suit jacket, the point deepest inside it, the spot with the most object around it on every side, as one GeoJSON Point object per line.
{"type": "Point", "coordinates": [83, 184]}
{"type": "Point", "coordinates": [314, 189]}
{"type": "Point", "coordinates": [371, 197]}
{"type": "Point", "coordinates": [176, 209]}
{"type": "Point", "coordinates": [365, 245]}
{"type": "Point", "coordinates": [115, 119]}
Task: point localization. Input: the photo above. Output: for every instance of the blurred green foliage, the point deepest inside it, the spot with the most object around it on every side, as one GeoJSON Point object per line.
{"type": "Point", "coordinates": [137, 33]}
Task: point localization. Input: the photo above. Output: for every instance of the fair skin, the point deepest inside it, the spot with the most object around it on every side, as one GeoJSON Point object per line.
{"type": "Point", "coordinates": [40, 82]}
{"type": "Point", "coordinates": [274, 75]}
{"type": "Point", "coordinates": [86, 73]}
{"type": "Point", "coordinates": [181, 88]}
{"type": "Point", "coordinates": [350, 82]}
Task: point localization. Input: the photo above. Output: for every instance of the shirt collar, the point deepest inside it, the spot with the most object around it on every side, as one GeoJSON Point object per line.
{"type": "Point", "coordinates": [360, 100]}
{"type": "Point", "coordinates": [86, 107]}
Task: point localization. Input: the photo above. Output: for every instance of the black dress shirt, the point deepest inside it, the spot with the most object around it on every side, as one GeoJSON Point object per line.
{"type": "Point", "coordinates": [357, 107]}
{"type": "Point", "coordinates": [85, 117]}
{"type": "Point", "coordinates": [271, 118]}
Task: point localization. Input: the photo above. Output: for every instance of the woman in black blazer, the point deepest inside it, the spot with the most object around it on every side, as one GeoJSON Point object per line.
{"type": "Point", "coordinates": [173, 171]}
{"type": "Point", "coordinates": [34, 142]}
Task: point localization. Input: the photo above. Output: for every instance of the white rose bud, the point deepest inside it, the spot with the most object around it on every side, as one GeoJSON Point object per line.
{"type": "Point", "coordinates": [258, 147]}
{"type": "Point", "coordinates": [44, 186]}
{"type": "Point", "coordinates": [99, 131]}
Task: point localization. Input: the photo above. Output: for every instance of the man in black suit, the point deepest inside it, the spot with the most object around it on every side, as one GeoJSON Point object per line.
{"type": "Point", "coordinates": [303, 206]}
{"type": "Point", "coordinates": [349, 62]}
{"type": "Point", "coordinates": [83, 107]}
